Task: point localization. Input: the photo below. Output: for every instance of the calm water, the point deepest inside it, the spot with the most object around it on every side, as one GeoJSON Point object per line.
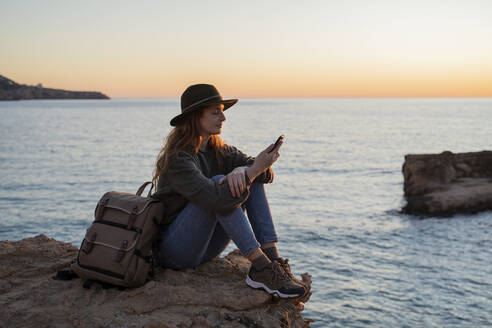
{"type": "Point", "coordinates": [336, 196]}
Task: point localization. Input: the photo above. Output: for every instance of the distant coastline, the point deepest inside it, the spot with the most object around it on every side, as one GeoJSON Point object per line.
{"type": "Point", "coordinates": [10, 90]}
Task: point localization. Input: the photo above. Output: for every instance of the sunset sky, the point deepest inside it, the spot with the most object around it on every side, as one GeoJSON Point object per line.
{"type": "Point", "coordinates": [380, 48]}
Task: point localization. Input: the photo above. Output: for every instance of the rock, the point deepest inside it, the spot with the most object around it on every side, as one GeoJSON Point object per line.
{"type": "Point", "coordinates": [212, 295]}
{"type": "Point", "coordinates": [10, 90]}
{"type": "Point", "coordinates": [446, 184]}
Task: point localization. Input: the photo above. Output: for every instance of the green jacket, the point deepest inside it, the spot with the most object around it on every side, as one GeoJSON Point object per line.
{"type": "Point", "coordinates": [188, 178]}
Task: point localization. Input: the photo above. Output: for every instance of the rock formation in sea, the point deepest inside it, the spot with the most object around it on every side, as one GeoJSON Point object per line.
{"type": "Point", "coordinates": [212, 295]}
{"type": "Point", "coordinates": [10, 90]}
{"type": "Point", "coordinates": [446, 184]}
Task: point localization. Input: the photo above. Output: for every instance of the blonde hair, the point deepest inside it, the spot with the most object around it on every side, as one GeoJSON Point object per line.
{"type": "Point", "coordinates": [182, 137]}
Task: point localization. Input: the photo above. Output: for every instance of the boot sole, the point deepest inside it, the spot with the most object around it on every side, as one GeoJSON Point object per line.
{"type": "Point", "coordinates": [254, 284]}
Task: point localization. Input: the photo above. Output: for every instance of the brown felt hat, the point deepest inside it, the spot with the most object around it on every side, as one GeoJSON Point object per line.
{"type": "Point", "coordinates": [198, 96]}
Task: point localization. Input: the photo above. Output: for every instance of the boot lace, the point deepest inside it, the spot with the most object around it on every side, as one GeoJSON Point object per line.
{"type": "Point", "coordinates": [279, 273]}
{"type": "Point", "coordinates": [285, 265]}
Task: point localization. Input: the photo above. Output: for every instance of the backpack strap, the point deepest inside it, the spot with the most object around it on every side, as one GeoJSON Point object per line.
{"type": "Point", "coordinates": [132, 218]}
{"type": "Point", "coordinates": [148, 259]}
{"type": "Point", "coordinates": [65, 274]}
{"type": "Point", "coordinates": [90, 243]}
{"type": "Point", "coordinates": [142, 187]}
{"type": "Point", "coordinates": [100, 209]}
{"type": "Point", "coordinates": [121, 251]}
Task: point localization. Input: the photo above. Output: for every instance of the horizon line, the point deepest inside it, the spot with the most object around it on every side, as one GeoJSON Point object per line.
{"type": "Point", "coordinates": [329, 97]}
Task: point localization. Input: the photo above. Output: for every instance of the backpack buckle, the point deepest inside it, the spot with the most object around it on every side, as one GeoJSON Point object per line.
{"type": "Point", "coordinates": [100, 209]}
{"type": "Point", "coordinates": [121, 252]}
{"type": "Point", "coordinates": [132, 218]}
{"type": "Point", "coordinates": [90, 243]}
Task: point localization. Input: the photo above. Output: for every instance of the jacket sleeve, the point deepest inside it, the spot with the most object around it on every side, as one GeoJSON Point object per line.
{"type": "Point", "coordinates": [236, 158]}
{"type": "Point", "coordinates": [185, 177]}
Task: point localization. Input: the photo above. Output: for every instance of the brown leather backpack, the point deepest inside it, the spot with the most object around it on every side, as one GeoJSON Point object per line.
{"type": "Point", "coordinates": [117, 248]}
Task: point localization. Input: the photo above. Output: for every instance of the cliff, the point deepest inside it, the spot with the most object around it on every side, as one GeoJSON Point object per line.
{"type": "Point", "coordinates": [10, 90]}
{"type": "Point", "coordinates": [212, 295]}
{"type": "Point", "coordinates": [446, 184]}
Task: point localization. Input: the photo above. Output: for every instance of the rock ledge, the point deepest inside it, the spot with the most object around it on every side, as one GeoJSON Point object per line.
{"type": "Point", "coordinates": [212, 295]}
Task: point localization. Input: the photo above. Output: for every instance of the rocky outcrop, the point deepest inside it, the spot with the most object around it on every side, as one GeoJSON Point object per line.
{"type": "Point", "coordinates": [10, 90]}
{"type": "Point", "coordinates": [446, 184]}
{"type": "Point", "coordinates": [212, 295]}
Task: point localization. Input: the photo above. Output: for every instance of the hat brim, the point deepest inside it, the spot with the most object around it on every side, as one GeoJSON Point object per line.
{"type": "Point", "coordinates": [177, 120]}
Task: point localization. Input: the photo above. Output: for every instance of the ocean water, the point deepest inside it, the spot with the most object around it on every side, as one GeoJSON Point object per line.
{"type": "Point", "coordinates": [336, 197]}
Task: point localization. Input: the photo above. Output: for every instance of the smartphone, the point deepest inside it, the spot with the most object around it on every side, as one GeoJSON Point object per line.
{"type": "Point", "coordinates": [277, 142]}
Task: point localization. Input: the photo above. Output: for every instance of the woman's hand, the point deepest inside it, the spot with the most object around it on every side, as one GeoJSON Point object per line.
{"type": "Point", "coordinates": [263, 161]}
{"type": "Point", "coordinates": [236, 181]}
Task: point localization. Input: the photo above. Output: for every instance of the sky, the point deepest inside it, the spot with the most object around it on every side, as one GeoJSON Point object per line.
{"type": "Point", "coordinates": [351, 48]}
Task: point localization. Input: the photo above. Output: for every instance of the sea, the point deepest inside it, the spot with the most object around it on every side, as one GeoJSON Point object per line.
{"type": "Point", "coordinates": [336, 198]}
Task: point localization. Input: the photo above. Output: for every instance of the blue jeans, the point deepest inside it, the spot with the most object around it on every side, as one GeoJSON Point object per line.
{"type": "Point", "coordinates": [198, 235]}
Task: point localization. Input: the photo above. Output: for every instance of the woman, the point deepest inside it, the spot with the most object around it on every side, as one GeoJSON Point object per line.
{"type": "Point", "coordinates": [205, 184]}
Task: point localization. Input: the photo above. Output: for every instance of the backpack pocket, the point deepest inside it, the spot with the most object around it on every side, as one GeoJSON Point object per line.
{"type": "Point", "coordinates": [108, 250]}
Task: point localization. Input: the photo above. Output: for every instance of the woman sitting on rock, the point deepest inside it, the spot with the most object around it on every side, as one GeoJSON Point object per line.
{"type": "Point", "coordinates": [205, 185]}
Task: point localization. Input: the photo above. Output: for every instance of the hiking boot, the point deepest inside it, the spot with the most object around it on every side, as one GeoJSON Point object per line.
{"type": "Point", "coordinates": [274, 280]}
{"type": "Point", "coordinates": [284, 263]}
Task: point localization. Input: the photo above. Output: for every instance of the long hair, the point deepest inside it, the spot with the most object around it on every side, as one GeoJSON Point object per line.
{"type": "Point", "coordinates": [183, 137]}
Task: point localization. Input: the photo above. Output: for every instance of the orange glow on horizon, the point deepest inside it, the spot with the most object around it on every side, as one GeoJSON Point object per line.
{"type": "Point", "coordinates": [286, 85]}
{"type": "Point", "coordinates": [331, 49]}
